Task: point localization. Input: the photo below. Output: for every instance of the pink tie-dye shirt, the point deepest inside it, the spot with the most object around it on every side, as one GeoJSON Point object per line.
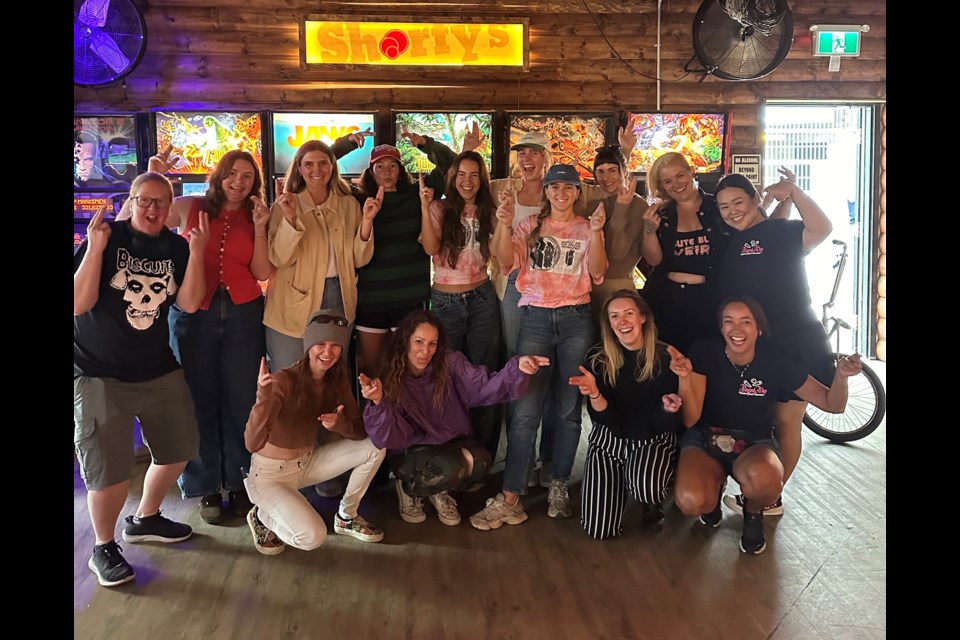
{"type": "Point", "coordinates": [471, 267]}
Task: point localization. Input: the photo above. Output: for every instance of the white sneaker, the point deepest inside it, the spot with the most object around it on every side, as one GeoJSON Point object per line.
{"type": "Point", "coordinates": [558, 500]}
{"type": "Point", "coordinates": [446, 508]}
{"type": "Point", "coordinates": [498, 512]}
{"type": "Point", "coordinates": [411, 508]}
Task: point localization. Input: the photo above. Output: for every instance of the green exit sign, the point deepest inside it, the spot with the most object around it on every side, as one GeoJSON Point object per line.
{"type": "Point", "coordinates": [836, 41]}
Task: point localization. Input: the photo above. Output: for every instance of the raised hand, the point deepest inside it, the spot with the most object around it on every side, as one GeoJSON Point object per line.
{"type": "Point", "coordinates": [679, 363]}
{"type": "Point", "coordinates": [415, 138]}
{"type": "Point", "coordinates": [506, 211]}
{"type": "Point", "coordinates": [264, 378]}
{"type": "Point", "coordinates": [651, 218]}
{"type": "Point", "coordinates": [473, 138]}
{"type": "Point", "coordinates": [261, 215]}
{"type": "Point", "coordinates": [162, 162]}
{"type": "Point", "coordinates": [98, 232]}
{"type": "Point", "coordinates": [371, 388]}
{"type": "Point", "coordinates": [371, 206]}
{"type": "Point", "coordinates": [288, 205]}
{"type": "Point", "coordinates": [531, 364]}
{"type": "Point", "coordinates": [328, 420]}
{"type": "Point", "coordinates": [850, 365]}
{"type": "Point", "coordinates": [626, 190]}
{"type": "Point", "coordinates": [777, 191]}
{"type": "Point", "coordinates": [587, 383]}
{"type": "Point", "coordinates": [426, 193]}
{"type": "Point", "coordinates": [786, 174]}
{"type": "Point", "coordinates": [672, 402]}
{"type": "Point", "coordinates": [599, 218]}
{"type": "Point", "coordinates": [358, 137]}
{"type": "Point", "coordinates": [198, 236]}
{"type": "Point", "coordinates": [627, 136]}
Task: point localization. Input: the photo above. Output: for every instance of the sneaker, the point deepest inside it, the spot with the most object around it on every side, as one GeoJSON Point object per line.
{"type": "Point", "coordinates": [735, 504]}
{"type": "Point", "coordinates": [446, 508]}
{"type": "Point", "coordinates": [155, 528]}
{"type": "Point", "coordinates": [240, 504]}
{"type": "Point", "coordinates": [357, 527]}
{"type": "Point", "coordinates": [653, 516]}
{"type": "Point", "coordinates": [713, 518]}
{"type": "Point", "coordinates": [109, 565]}
{"type": "Point", "coordinates": [411, 508]}
{"type": "Point", "coordinates": [546, 474]}
{"type": "Point", "coordinates": [752, 540]}
{"type": "Point", "coordinates": [211, 508]}
{"type": "Point", "coordinates": [265, 540]}
{"type": "Point", "coordinates": [558, 500]}
{"type": "Point", "coordinates": [329, 489]}
{"type": "Point", "coordinates": [497, 512]}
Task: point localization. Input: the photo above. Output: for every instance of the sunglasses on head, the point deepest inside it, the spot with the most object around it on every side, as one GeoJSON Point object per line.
{"type": "Point", "coordinates": [340, 321]}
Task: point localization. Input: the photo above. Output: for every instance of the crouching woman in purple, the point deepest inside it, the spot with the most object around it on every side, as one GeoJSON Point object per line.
{"type": "Point", "coordinates": [420, 413]}
{"type": "Point", "coordinates": [633, 404]}
{"type": "Point", "coordinates": [730, 390]}
{"type": "Point", "coordinates": [306, 428]}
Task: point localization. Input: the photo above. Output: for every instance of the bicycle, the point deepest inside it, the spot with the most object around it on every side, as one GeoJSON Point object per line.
{"type": "Point", "coordinates": [866, 397]}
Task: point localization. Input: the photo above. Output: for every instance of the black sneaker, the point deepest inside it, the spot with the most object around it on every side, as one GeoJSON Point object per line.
{"type": "Point", "coordinates": [240, 504]}
{"type": "Point", "coordinates": [752, 540]}
{"type": "Point", "coordinates": [713, 518]}
{"type": "Point", "coordinates": [211, 508]}
{"type": "Point", "coordinates": [653, 516]}
{"type": "Point", "coordinates": [154, 528]}
{"type": "Point", "coordinates": [109, 565]}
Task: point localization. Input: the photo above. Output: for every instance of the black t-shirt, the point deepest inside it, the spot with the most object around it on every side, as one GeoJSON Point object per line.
{"type": "Point", "coordinates": [125, 335]}
{"type": "Point", "coordinates": [765, 262]}
{"type": "Point", "coordinates": [745, 399]}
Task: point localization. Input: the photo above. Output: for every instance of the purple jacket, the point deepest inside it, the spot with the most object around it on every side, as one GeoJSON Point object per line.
{"type": "Point", "coordinates": [414, 420]}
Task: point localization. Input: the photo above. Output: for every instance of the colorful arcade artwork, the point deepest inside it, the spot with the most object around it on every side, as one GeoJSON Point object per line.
{"type": "Point", "coordinates": [698, 136]}
{"type": "Point", "coordinates": [200, 139]}
{"type": "Point", "coordinates": [448, 128]}
{"type": "Point", "coordinates": [290, 130]}
{"type": "Point", "coordinates": [574, 139]}
{"type": "Point", "coordinates": [104, 151]}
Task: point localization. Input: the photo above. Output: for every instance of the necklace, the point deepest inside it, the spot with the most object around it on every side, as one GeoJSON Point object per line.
{"type": "Point", "coordinates": [742, 371]}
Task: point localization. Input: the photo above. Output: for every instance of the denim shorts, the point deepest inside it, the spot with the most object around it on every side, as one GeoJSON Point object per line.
{"type": "Point", "coordinates": [725, 445]}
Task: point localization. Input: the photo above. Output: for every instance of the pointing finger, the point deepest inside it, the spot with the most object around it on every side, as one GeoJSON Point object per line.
{"type": "Point", "coordinates": [263, 366]}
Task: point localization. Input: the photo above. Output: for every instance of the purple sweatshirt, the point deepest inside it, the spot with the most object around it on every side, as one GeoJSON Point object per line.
{"type": "Point", "coordinates": [414, 420]}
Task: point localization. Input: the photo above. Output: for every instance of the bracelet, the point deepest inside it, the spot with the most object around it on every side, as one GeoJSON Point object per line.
{"type": "Point", "coordinates": [594, 397]}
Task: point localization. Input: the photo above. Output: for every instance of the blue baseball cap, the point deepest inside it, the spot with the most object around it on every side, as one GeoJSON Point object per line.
{"type": "Point", "coordinates": [562, 173]}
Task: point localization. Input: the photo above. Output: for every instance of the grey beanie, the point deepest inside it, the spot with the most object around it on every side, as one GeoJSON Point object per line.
{"type": "Point", "coordinates": [327, 324]}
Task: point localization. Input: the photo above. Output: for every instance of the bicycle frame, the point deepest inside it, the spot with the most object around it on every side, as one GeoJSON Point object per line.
{"type": "Point", "coordinates": [832, 324]}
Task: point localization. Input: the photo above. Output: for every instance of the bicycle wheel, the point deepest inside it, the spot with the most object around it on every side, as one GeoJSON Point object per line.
{"type": "Point", "coordinates": [866, 406]}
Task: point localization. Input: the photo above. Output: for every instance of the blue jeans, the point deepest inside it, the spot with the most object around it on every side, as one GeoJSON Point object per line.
{"type": "Point", "coordinates": [564, 335]}
{"type": "Point", "coordinates": [219, 350]}
{"type": "Point", "coordinates": [471, 321]}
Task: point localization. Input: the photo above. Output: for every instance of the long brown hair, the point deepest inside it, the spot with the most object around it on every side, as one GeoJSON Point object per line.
{"type": "Point", "coordinates": [396, 361]}
{"type": "Point", "coordinates": [302, 392]}
{"type": "Point", "coordinates": [609, 357]}
{"type": "Point", "coordinates": [293, 181]}
{"type": "Point", "coordinates": [453, 237]}
{"type": "Point", "coordinates": [216, 197]}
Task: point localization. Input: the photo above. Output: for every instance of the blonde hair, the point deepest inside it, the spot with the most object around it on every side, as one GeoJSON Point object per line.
{"type": "Point", "coordinates": [653, 177]}
{"type": "Point", "coordinates": [515, 166]}
{"type": "Point", "coordinates": [609, 359]}
{"type": "Point", "coordinates": [150, 176]}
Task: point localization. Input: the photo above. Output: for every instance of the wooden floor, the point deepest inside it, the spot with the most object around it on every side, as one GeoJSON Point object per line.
{"type": "Point", "coordinates": [822, 576]}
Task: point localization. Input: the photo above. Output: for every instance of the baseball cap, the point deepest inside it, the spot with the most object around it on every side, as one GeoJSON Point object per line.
{"type": "Point", "coordinates": [532, 139]}
{"type": "Point", "coordinates": [385, 151]}
{"type": "Point", "coordinates": [562, 173]}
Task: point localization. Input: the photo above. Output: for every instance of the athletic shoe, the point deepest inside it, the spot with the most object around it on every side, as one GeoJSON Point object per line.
{"type": "Point", "coordinates": [155, 528]}
{"type": "Point", "coordinates": [109, 565]}
{"type": "Point", "coordinates": [411, 508]}
{"type": "Point", "coordinates": [497, 512]}
{"type": "Point", "coordinates": [357, 527]}
{"type": "Point", "coordinates": [735, 504]}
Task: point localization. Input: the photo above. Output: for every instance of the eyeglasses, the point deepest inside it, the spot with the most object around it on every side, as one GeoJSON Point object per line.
{"type": "Point", "coordinates": [146, 202]}
{"type": "Point", "coordinates": [340, 321]}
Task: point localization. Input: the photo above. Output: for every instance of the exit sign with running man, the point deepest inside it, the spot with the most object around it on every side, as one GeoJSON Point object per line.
{"type": "Point", "coordinates": [837, 40]}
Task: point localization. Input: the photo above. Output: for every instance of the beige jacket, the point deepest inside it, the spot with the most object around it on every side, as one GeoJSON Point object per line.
{"type": "Point", "coordinates": [300, 254]}
{"type": "Point", "coordinates": [588, 192]}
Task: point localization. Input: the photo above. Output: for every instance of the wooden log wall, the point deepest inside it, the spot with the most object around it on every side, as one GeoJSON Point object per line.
{"type": "Point", "coordinates": [882, 266]}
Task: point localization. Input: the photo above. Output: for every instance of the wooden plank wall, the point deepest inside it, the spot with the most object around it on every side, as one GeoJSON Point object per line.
{"type": "Point", "coordinates": [245, 53]}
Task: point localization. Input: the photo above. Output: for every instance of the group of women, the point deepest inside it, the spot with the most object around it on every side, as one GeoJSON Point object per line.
{"type": "Point", "coordinates": [541, 260]}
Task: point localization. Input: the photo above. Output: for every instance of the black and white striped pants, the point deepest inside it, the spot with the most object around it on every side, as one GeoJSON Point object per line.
{"type": "Point", "coordinates": [617, 465]}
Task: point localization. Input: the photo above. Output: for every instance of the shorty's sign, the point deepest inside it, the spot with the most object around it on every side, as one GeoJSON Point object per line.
{"type": "Point", "coordinates": [414, 43]}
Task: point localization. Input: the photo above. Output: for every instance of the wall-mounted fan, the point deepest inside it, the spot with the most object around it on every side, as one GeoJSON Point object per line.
{"type": "Point", "coordinates": [742, 39]}
{"type": "Point", "coordinates": [109, 38]}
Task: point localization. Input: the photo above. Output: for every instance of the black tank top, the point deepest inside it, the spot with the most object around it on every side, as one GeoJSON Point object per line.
{"type": "Point", "coordinates": [690, 253]}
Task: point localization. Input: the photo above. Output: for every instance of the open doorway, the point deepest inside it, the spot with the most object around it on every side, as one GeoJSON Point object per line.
{"type": "Point", "coordinates": [830, 147]}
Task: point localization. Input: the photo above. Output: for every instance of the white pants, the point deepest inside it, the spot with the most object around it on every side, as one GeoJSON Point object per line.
{"type": "Point", "coordinates": [274, 486]}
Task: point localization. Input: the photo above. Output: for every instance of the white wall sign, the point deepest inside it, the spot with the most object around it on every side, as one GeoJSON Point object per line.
{"type": "Point", "coordinates": [748, 165]}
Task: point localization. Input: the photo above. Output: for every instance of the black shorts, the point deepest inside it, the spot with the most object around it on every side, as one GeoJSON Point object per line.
{"type": "Point", "coordinates": [810, 348]}
{"type": "Point", "coordinates": [383, 321]}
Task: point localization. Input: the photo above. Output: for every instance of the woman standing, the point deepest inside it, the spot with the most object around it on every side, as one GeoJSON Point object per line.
{"type": "Point", "coordinates": [220, 345]}
{"type": "Point", "coordinates": [730, 390]}
{"type": "Point", "coordinates": [419, 411]}
{"type": "Point", "coordinates": [559, 255]}
{"type": "Point", "coordinates": [456, 232]}
{"type": "Point", "coordinates": [633, 405]}
{"type": "Point", "coordinates": [306, 428]}
{"type": "Point", "coordinates": [766, 262]}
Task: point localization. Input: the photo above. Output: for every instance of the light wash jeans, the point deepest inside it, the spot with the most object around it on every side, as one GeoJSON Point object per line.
{"type": "Point", "coordinates": [274, 486]}
{"type": "Point", "coordinates": [564, 335]}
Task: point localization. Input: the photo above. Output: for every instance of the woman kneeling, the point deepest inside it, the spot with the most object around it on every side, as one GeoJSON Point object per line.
{"type": "Point", "coordinates": [306, 428]}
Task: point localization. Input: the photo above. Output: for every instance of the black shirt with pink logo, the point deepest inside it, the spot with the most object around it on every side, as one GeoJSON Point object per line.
{"type": "Point", "coordinates": [766, 262]}
{"type": "Point", "coordinates": [744, 397]}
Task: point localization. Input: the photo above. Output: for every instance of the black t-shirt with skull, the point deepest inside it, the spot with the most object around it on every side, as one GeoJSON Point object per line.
{"type": "Point", "coordinates": [125, 335]}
